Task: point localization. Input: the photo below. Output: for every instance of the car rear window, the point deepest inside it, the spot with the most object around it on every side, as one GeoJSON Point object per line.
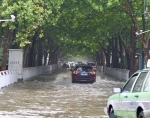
{"type": "Point", "coordinates": [84, 68]}
{"type": "Point", "coordinates": [91, 64]}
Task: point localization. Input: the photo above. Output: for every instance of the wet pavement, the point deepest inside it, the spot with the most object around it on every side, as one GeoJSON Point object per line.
{"type": "Point", "coordinates": [54, 96]}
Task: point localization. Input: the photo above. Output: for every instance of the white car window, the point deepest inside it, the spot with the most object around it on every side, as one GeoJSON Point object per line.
{"type": "Point", "coordinates": [128, 86]}
{"type": "Point", "coordinates": [139, 82]}
{"type": "Point", "coordinates": [146, 86]}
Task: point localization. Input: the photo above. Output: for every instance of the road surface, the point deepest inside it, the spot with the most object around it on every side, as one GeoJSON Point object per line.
{"type": "Point", "coordinates": [54, 96]}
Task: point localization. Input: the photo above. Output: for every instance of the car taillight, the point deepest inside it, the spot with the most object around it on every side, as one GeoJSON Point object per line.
{"type": "Point", "coordinates": [75, 72]}
{"type": "Point", "coordinates": [93, 72]}
{"type": "Point", "coordinates": [75, 78]}
{"type": "Point", "coordinates": [92, 79]}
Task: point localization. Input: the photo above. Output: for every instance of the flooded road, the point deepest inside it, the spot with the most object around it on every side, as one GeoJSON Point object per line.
{"type": "Point", "coordinates": [54, 96]}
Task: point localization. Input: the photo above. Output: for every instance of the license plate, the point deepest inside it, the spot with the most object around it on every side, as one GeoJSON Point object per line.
{"type": "Point", "coordinates": [84, 74]}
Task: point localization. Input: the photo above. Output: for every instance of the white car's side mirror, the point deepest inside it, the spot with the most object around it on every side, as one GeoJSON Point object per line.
{"type": "Point", "coordinates": [117, 90]}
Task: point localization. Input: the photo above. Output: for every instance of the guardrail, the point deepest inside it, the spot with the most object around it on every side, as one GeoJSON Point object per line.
{"type": "Point", "coordinates": [121, 74]}
{"type": "Point", "coordinates": [9, 77]}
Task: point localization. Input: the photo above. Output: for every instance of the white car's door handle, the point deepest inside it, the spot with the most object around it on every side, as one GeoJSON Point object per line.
{"type": "Point", "coordinates": [136, 96]}
{"type": "Point", "coordinates": [126, 96]}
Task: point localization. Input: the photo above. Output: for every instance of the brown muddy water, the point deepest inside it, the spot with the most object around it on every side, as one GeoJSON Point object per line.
{"type": "Point", "coordinates": [54, 96]}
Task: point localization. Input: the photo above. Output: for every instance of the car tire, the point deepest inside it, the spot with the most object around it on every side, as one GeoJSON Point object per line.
{"type": "Point", "coordinates": [141, 115]}
{"type": "Point", "coordinates": [111, 114]}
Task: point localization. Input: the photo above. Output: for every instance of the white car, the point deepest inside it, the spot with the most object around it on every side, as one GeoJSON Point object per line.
{"type": "Point", "coordinates": [133, 100]}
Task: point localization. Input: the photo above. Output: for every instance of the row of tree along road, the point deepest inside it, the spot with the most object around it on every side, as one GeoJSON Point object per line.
{"type": "Point", "coordinates": [56, 30]}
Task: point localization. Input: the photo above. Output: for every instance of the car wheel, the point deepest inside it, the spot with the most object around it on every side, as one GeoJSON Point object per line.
{"type": "Point", "coordinates": [111, 114]}
{"type": "Point", "coordinates": [141, 115]}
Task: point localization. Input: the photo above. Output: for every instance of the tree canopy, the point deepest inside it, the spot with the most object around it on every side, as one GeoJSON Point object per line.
{"type": "Point", "coordinates": [87, 27]}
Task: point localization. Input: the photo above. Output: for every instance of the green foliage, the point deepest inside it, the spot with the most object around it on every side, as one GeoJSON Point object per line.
{"type": "Point", "coordinates": [81, 25]}
{"type": "Point", "coordinates": [30, 16]}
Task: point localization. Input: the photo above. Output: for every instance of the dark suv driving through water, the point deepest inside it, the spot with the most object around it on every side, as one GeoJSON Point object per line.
{"type": "Point", "coordinates": [83, 73]}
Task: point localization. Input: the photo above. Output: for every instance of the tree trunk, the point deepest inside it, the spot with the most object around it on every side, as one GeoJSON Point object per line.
{"type": "Point", "coordinates": [127, 58]}
{"type": "Point", "coordinates": [40, 53]}
{"type": "Point", "coordinates": [25, 54]}
{"type": "Point", "coordinates": [115, 55]}
{"type": "Point", "coordinates": [98, 58]}
{"type": "Point", "coordinates": [107, 55]}
{"type": "Point", "coordinates": [31, 52]}
{"type": "Point", "coordinates": [5, 49]}
{"type": "Point", "coordinates": [45, 58]}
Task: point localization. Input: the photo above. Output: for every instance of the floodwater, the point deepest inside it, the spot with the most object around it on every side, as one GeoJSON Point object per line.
{"type": "Point", "coordinates": [54, 96]}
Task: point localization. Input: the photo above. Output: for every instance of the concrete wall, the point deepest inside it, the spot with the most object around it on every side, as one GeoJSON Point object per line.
{"type": "Point", "coordinates": [9, 77]}
{"type": "Point", "coordinates": [16, 71]}
{"type": "Point", "coordinates": [121, 74]}
{"type": "Point", "coordinates": [34, 71]}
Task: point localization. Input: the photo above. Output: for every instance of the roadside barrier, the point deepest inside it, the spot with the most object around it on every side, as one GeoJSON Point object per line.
{"type": "Point", "coordinates": [121, 74]}
{"type": "Point", "coordinates": [34, 71]}
{"type": "Point", "coordinates": [100, 68]}
{"type": "Point", "coordinates": [9, 77]}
